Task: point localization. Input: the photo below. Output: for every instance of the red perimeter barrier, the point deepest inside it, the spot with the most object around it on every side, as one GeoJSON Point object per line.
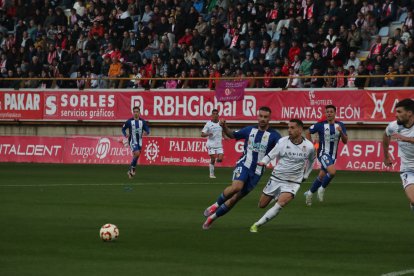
{"type": "Point", "coordinates": [196, 106]}
{"type": "Point", "coordinates": [355, 156]}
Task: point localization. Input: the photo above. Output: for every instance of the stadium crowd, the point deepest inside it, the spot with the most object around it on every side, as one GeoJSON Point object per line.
{"type": "Point", "coordinates": [204, 38]}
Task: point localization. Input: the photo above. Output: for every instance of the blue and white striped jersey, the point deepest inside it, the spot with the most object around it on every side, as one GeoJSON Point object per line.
{"type": "Point", "coordinates": [135, 129]}
{"type": "Point", "coordinates": [257, 144]}
{"type": "Point", "coordinates": [329, 137]}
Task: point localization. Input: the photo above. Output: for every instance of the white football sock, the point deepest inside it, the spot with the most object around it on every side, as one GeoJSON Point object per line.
{"type": "Point", "coordinates": [270, 214]}
{"type": "Point", "coordinates": [211, 166]}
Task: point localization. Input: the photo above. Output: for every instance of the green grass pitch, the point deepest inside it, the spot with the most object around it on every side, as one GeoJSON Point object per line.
{"type": "Point", "coordinates": [51, 215]}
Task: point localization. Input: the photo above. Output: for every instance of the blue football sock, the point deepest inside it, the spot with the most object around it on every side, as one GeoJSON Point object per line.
{"type": "Point", "coordinates": [326, 180]}
{"type": "Point", "coordinates": [221, 199]}
{"type": "Point", "coordinates": [134, 162]}
{"type": "Point", "coordinates": [222, 210]}
{"type": "Point", "coordinates": [315, 185]}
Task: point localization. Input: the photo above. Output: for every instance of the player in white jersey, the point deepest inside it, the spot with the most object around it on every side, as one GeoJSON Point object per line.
{"type": "Point", "coordinates": [403, 131]}
{"type": "Point", "coordinates": [295, 157]}
{"type": "Point", "coordinates": [214, 131]}
{"type": "Point", "coordinates": [330, 133]}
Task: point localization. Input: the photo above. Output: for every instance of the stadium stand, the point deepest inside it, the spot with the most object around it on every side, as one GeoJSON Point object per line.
{"type": "Point", "coordinates": [94, 39]}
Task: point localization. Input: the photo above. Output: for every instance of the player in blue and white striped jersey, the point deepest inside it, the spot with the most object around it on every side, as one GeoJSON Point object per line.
{"type": "Point", "coordinates": [330, 133]}
{"type": "Point", "coordinates": [136, 128]}
{"type": "Point", "coordinates": [258, 141]}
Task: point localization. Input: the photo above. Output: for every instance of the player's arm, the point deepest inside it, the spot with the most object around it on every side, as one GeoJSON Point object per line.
{"type": "Point", "coordinates": [274, 153]}
{"type": "Point", "coordinates": [204, 131]}
{"type": "Point", "coordinates": [312, 130]}
{"type": "Point", "coordinates": [124, 128]}
{"type": "Point", "coordinates": [226, 130]}
{"type": "Point", "coordinates": [342, 131]}
{"type": "Point", "coordinates": [309, 163]}
{"type": "Point", "coordinates": [308, 135]}
{"type": "Point", "coordinates": [403, 138]}
{"type": "Point", "coordinates": [385, 146]}
{"type": "Point", "coordinates": [145, 127]}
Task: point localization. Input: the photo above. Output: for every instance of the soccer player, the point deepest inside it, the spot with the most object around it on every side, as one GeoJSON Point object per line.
{"type": "Point", "coordinates": [258, 141]}
{"type": "Point", "coordinates": [136, 128]}
{"type": "Point", "coordinates": [330, 132]}
{"type": "Point", "coordinates": [403, 131]}
{"type": "Point", "coordinates": [213, 131]}
{"type": "Point", "coordinates": [295, 157]}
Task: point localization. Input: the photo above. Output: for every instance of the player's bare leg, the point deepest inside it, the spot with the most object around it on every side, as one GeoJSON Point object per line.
{"type": "Point", "coordinates": [228, 192]}
{"type": "Point", "coordinates": [231, 195]}
{"type": "Point", "coordinates": [315, 186]}
{"type": "Point", "coordinates": [131, 171]}
{"type": "Point", "coordinates": [325, 181]}
{"type": "Point", "coordinates": [264, 200]}
{"type": "Point", "coordinates": [409, 191]}
{"type": "Point", "coordinates": [211, 165]}
{"type": "Point", "coordinates": [283, 200]}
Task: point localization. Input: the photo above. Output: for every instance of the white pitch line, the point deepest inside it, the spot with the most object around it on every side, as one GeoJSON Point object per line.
{"type": "Point", "coordinates": [106, 184]}
{"type": "Point", "coordinates": [397, 273]}
{"type": "Point", "coordinates": [156, 183]}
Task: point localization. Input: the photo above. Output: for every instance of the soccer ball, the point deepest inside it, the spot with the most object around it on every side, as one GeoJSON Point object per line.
{"type": "Point", "coordinates": [109, 232]}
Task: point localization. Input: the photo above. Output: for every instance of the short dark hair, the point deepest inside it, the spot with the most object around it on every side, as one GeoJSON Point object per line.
{"type": "Point", "coordinates": [407, 104]}
{"type": "Point", "coordinates": [214, 110]}
{"type": "Point", "coordinates": [330, 106]}
{"type": "Point", "coordinates": [297, 121]}
{"type": "Point", "coordinates": [265, 108]}
{"type": "Point", "coordinates": [136, 107]}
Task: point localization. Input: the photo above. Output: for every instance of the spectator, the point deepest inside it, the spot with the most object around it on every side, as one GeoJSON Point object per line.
{"type": "Point", "coordinates": [318, 62]}
{"type": "Point", "coordinates": [340, 82]}
{"type": "Point", "coordinates": [351, 77]}
{"type": "Point", "coordinates": [329, 80]}
{"type": "Point", "coordinates": [352, 61]}
{"type": "Point", "coordinates": [293, 51]}
{"type": "Point", "coordinates": [354, 38]}
{"type": "Point", "coordinates": [214, 75]}
{"type": "Point", "coordinates": [314, 81]}
{"type": "Point", "coordinates": [377, 81]}
{"type": "Point", "coordinates": [293, 81]}
{"type": "Point", "coordinates": [401, 80]}
{"type": "Point", "coordinates": [306, 65]}
{"type": "Point", "coordinates": [360, 81]}
{"type": "Point", "coordinates": [389, 79]}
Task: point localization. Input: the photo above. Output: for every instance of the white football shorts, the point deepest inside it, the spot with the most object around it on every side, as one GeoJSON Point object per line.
{"type": "Point", "coordinates": [407, 179]}
{"type": "Point", "coordinates": [275, 187]}
{"type": "Point", "coordinates": [215, 151]}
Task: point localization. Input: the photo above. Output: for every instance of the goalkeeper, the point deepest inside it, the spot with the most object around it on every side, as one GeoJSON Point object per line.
{"type": "Point", "coordinates": [136, 128]}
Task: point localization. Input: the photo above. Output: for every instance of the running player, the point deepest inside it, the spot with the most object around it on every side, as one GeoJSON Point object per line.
{"type": "Point", "coordinates": [330, 133]}
{"type": "Point", "coordinates": [136, 128]}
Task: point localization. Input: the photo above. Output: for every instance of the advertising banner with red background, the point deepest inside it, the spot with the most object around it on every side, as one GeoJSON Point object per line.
{"type": "Point", "coordinates": [196, 106]}
{"type": "Point", "coordinates": [32, 149]}
{"type": "Point", "coordinates": [21, 105]}
{"type": "Point", "coordinates": [355, 156]}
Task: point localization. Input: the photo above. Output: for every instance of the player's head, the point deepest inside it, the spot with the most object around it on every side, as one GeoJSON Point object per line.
{"type": "Point", "coordinates": [295, 128]}
{"type": "Point", "coordinates": [264, 117]}
{"type": "Point", "coordinates": [404, 111]}
{"type": "Point", "coordinates": [330, 111]}
{"type": "Point", "coordinates": [135, 110]}
{"type": "Point", "coordinates": [215, 115]}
